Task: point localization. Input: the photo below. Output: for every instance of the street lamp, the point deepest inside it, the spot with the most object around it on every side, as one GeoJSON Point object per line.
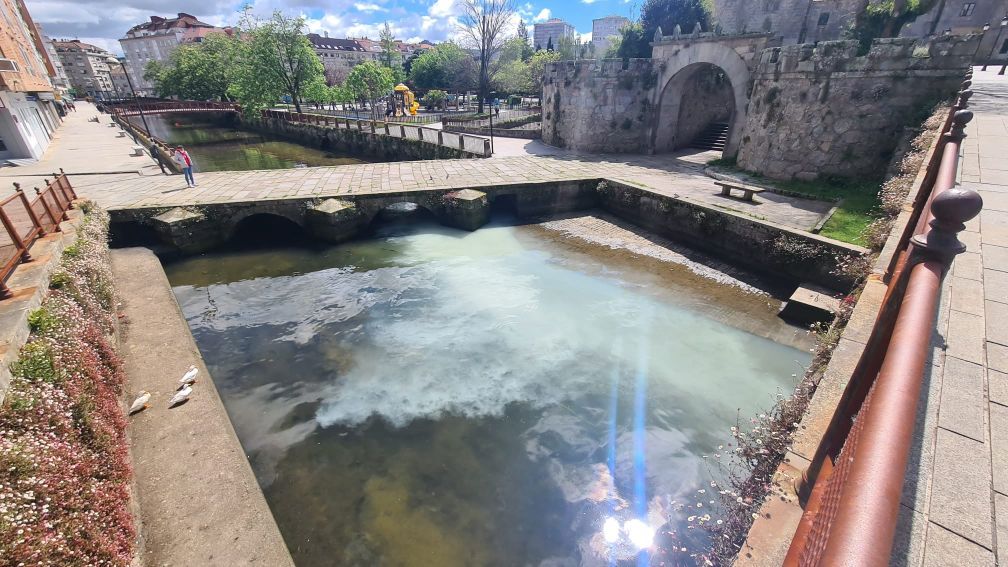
{"type": "Point", "coordinates": [129, 81]}
{"type": "Point", "coordinates": [1004, 23]}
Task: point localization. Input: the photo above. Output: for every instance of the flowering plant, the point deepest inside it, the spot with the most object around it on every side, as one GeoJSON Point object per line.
{"type": "Point", "coordinates": [64, 466]}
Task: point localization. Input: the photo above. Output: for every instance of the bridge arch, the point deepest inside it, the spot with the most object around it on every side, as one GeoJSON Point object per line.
{"type": "Point", "coordinates": [683, 62]}
{"type": "Point", "coordinates": [262, 226]}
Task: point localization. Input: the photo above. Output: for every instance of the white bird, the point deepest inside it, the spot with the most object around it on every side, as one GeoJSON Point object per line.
{"type": "Point", "coordinates": [180, 397]}
{"type": "Point", "coordinates": [140, 403]}
{"type": "Point", "coordinates": [189, 377]}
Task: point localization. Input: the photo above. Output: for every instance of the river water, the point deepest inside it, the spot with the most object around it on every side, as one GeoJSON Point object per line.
{"type": "Point", "coordinates": [216, 148]}
{"type": "Point", "coordinates": [433, 397]}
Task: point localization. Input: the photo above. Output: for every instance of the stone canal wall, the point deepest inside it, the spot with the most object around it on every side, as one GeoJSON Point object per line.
{"type": "Point", "coordinates": [823, 110]}
{"type": "Point", "coordinates": [758, 245]}
{"type": "Point", "coordinates": [750, 242]}
{"type": "Point", "coordinates": [361, 143]}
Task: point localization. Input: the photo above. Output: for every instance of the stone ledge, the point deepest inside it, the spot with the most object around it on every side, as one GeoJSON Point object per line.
{"type": "Point", "coordinates": [30, 283]}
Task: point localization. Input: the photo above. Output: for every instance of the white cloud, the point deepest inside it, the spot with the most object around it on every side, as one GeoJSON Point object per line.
{"type": "Point", "coordinates": [542, 16]}
{"type": "Point", "coordinates": [364, 7]}
{"type": "Point", "coordinates": [442, 9]}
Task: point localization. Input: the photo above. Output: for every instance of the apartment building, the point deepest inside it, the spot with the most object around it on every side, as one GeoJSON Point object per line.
{"type": "Point", "coordinates": [87, 68]}
{"type": "Point", "coordinates": [604, 29]}
{"type": "Point", "coordinates": [155, 40]}
{"type": "Point", "coordinates": [28, 113]}
{"type": "Point", "coordinates": [339, 56]}
{"type": "Point", "coordinates": [549, 33]}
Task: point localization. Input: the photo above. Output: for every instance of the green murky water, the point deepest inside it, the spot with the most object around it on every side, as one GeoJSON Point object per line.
{"type": "Point", "coordinates": [216, 148]}
{"type": "Point", "coordinates": [432, 397]}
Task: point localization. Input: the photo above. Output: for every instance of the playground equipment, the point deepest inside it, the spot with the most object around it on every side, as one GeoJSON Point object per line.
{"type": "Point", "coordinates": [404, 101]}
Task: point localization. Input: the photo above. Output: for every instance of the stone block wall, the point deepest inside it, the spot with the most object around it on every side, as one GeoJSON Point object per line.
{"type": "Point", "coordinates": [788, 18]}
{"type": "Point", "coordinates": [603, 106]}
{"type": "Point", "coordinates": [821, 109]}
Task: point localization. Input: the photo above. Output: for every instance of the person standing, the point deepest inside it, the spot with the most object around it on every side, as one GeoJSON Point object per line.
{"type": "Point", "coordinates": [157, 156]}
{"type": "Point", "coordinates": [182, 158]}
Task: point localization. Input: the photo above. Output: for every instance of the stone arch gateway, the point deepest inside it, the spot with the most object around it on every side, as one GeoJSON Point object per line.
{"type": "Point", "coordinates": [680, 60]}
{"type": "Point", "coordinates": [630, 106]}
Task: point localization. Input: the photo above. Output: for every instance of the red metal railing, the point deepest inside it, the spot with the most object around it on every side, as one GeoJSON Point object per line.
{"type": "Point", "coordinates": [23, 221]}
{"type": "Point", "coordinates": [133, 108]}
{"type": "Point", "coordinates": [854, 484]}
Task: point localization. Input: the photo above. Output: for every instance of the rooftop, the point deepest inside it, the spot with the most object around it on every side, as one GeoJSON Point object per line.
{"type": "Point", "coordinates": [159, 24]}
{"type": "Point", "coordinates": [321, 42]}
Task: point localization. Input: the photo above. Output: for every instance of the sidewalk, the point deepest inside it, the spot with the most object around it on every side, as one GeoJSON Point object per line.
{"type": "Point", "coordinates": [955, 496]}
{"type": "Point", "coordinates": [89, 152]}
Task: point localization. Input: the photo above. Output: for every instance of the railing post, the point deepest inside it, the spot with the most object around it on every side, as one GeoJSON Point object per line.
{"type": "Point", "coordinates": [440, 138]}
{"type": "Point", "coordinates": [19, 243]}
{"type": "Point", "coordinates": [27, 206]}
{"type": "Point", "coordinates": [461, 142]}
{"type": "Point", "coordinates": [420, 133]}
{"type": "Point", "coordinates": [373, 128]}
{"type": "Point", "coordinates": [402, 131]}
{"type": "Point", "coordinates": [386, 129]}
{"type": "Point", "coordinates": [52, 216]}
{"type": "Point", "coordinates": [486, 148]}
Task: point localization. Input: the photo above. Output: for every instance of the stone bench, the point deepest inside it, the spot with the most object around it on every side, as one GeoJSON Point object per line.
{"type": "Point", "coordinates": [747, 190]}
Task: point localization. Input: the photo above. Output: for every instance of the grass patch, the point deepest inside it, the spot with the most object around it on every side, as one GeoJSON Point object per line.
{"type": "Point", "coordinates": [860, 206]}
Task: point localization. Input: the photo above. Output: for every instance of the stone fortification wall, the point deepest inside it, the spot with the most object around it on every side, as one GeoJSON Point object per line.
{"type": "Point", "coordinates": [823, 110]}
{"type": "Point", "coordinates": [602, 106]}
{"type": "Point", "coordinates": [787, 19]}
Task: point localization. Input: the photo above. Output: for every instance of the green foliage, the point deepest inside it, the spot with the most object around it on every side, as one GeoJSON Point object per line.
{"type": "Point", "coordinates": [515, 49]}
{"type": "Point", "coordinates": [370, 81]}
{"type": "Point", "coordinates": [435, 99]}
{"type": "Point", "coordinates": [514, 77]}
{"type": "Point", "coordinates": [885, 18]}
{"type": "Point", "coordinates": [390, 53]}
{"type": "Point", "coordinates": [274, 59]}
{"type": "Point", "coordinates": [447, 67]}
{"type": "Point", "coordinates": [42, 321]}
{"type": "Point", "coordinates": [199, 71]}
{"type": "Point", "coordinates": [537, 67]}
{"type": "Point", "coordinates": [35, 363]}
{"type": "Point", "coordinates": [633, 43]}
{"type": "Point", "coordinates": [667, 13]}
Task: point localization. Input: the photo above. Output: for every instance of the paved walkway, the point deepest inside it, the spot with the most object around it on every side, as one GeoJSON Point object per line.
{"type": "Point", "coordinates": [90, 152]}
{"type": "Point", "coordinates": [670, 175]}
{"type": "Point", "coordinates": [955, 499]}
{"type": "Point", "coordinates": [95, 158]}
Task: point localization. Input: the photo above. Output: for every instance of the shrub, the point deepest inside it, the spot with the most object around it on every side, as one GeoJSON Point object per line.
{"type": "Point", "coordinates": [64, 471]}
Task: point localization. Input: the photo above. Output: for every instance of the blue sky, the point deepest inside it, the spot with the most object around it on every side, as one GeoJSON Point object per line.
{"type": "Point", "coordinates": [103, 22]}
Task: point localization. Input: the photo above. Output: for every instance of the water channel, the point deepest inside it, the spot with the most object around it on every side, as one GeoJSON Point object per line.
{"type": "Point", "coordinates": [428, 396]}
{"type": "Point", "coordinates": [214, 147]}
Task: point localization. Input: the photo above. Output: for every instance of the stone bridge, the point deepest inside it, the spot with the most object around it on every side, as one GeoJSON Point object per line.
{"type": "Point", "coordinates": [135, 108]}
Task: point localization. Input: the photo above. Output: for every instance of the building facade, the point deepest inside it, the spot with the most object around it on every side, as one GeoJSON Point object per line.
{"type": "Point", "coordinates": [87, 68]}
{"type": "Point", "coordinates": [604, 29]}
{"type": "Point", "coordinates": [28, 113]}
{"type": "Point", "coordinates": [120, 83]}
{"type": "Point", "coordinates": [156, 40]}
{"type": "Point", "coordinates": [58, 77]}
{"type": "Point", "coordinates": [339, 56]}
{"type": "Point", "coordinates": [549, 33]}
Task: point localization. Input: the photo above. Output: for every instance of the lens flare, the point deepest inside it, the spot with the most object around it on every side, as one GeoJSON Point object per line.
{"type": "Point", "coordinates": [610, 530]}
{"type": "Point", "coordinates": [640, 534]}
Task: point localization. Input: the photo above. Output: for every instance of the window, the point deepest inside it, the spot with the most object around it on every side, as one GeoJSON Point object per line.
{"type": "Point", "coordinates": [967, 9]}
{"type": "Point", "coordinates": [823, 19]}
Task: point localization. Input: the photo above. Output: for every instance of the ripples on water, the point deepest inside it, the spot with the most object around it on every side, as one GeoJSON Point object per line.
{"type": "Point", "coordinates": [437, 398]}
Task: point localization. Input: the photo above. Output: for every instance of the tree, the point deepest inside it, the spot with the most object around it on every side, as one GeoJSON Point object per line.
{"type": "Point", "coordinates": [274, 59]}
{"type": "Point", "coordinates": [527, 50]}
{"type": "Point", "coordinates": [514, 77]}
{"type": "Point", "coordinates": [435, 99]}
{"type": "Point", "coordinates": [370, 81]}
{"type": "Point", "coordinates": [537, 67]}
{"type": "Point", "coordinates": [446, 67]}
{"type": "Point", "coordinates": [199, 71]}
{"type": "Point", "coordinates": [667, 13]}
{"type": "Point", "coordinates": [390, 52]}
{"type": "Point", "coordinates": [633, 43]}
{"type": "Point", "coordinates": [483, 23]}
{"type": "Point", "coordinates": [549, 44]}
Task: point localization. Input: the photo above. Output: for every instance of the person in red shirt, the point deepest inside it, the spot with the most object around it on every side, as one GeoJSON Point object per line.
{"type": "Point", "coordinates": [182, 158]}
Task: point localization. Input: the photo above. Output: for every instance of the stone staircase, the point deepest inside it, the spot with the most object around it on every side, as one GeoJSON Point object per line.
{"type": "Point", "coordinates": [713, 137]}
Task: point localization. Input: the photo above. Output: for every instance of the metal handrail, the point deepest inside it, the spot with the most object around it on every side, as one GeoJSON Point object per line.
{"type": "Point", "coordinates": [857, 474]}
{"type": "Point", "coordinates": [425, 135]}
{"type": "Point", "coordinates": [45, 212]}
